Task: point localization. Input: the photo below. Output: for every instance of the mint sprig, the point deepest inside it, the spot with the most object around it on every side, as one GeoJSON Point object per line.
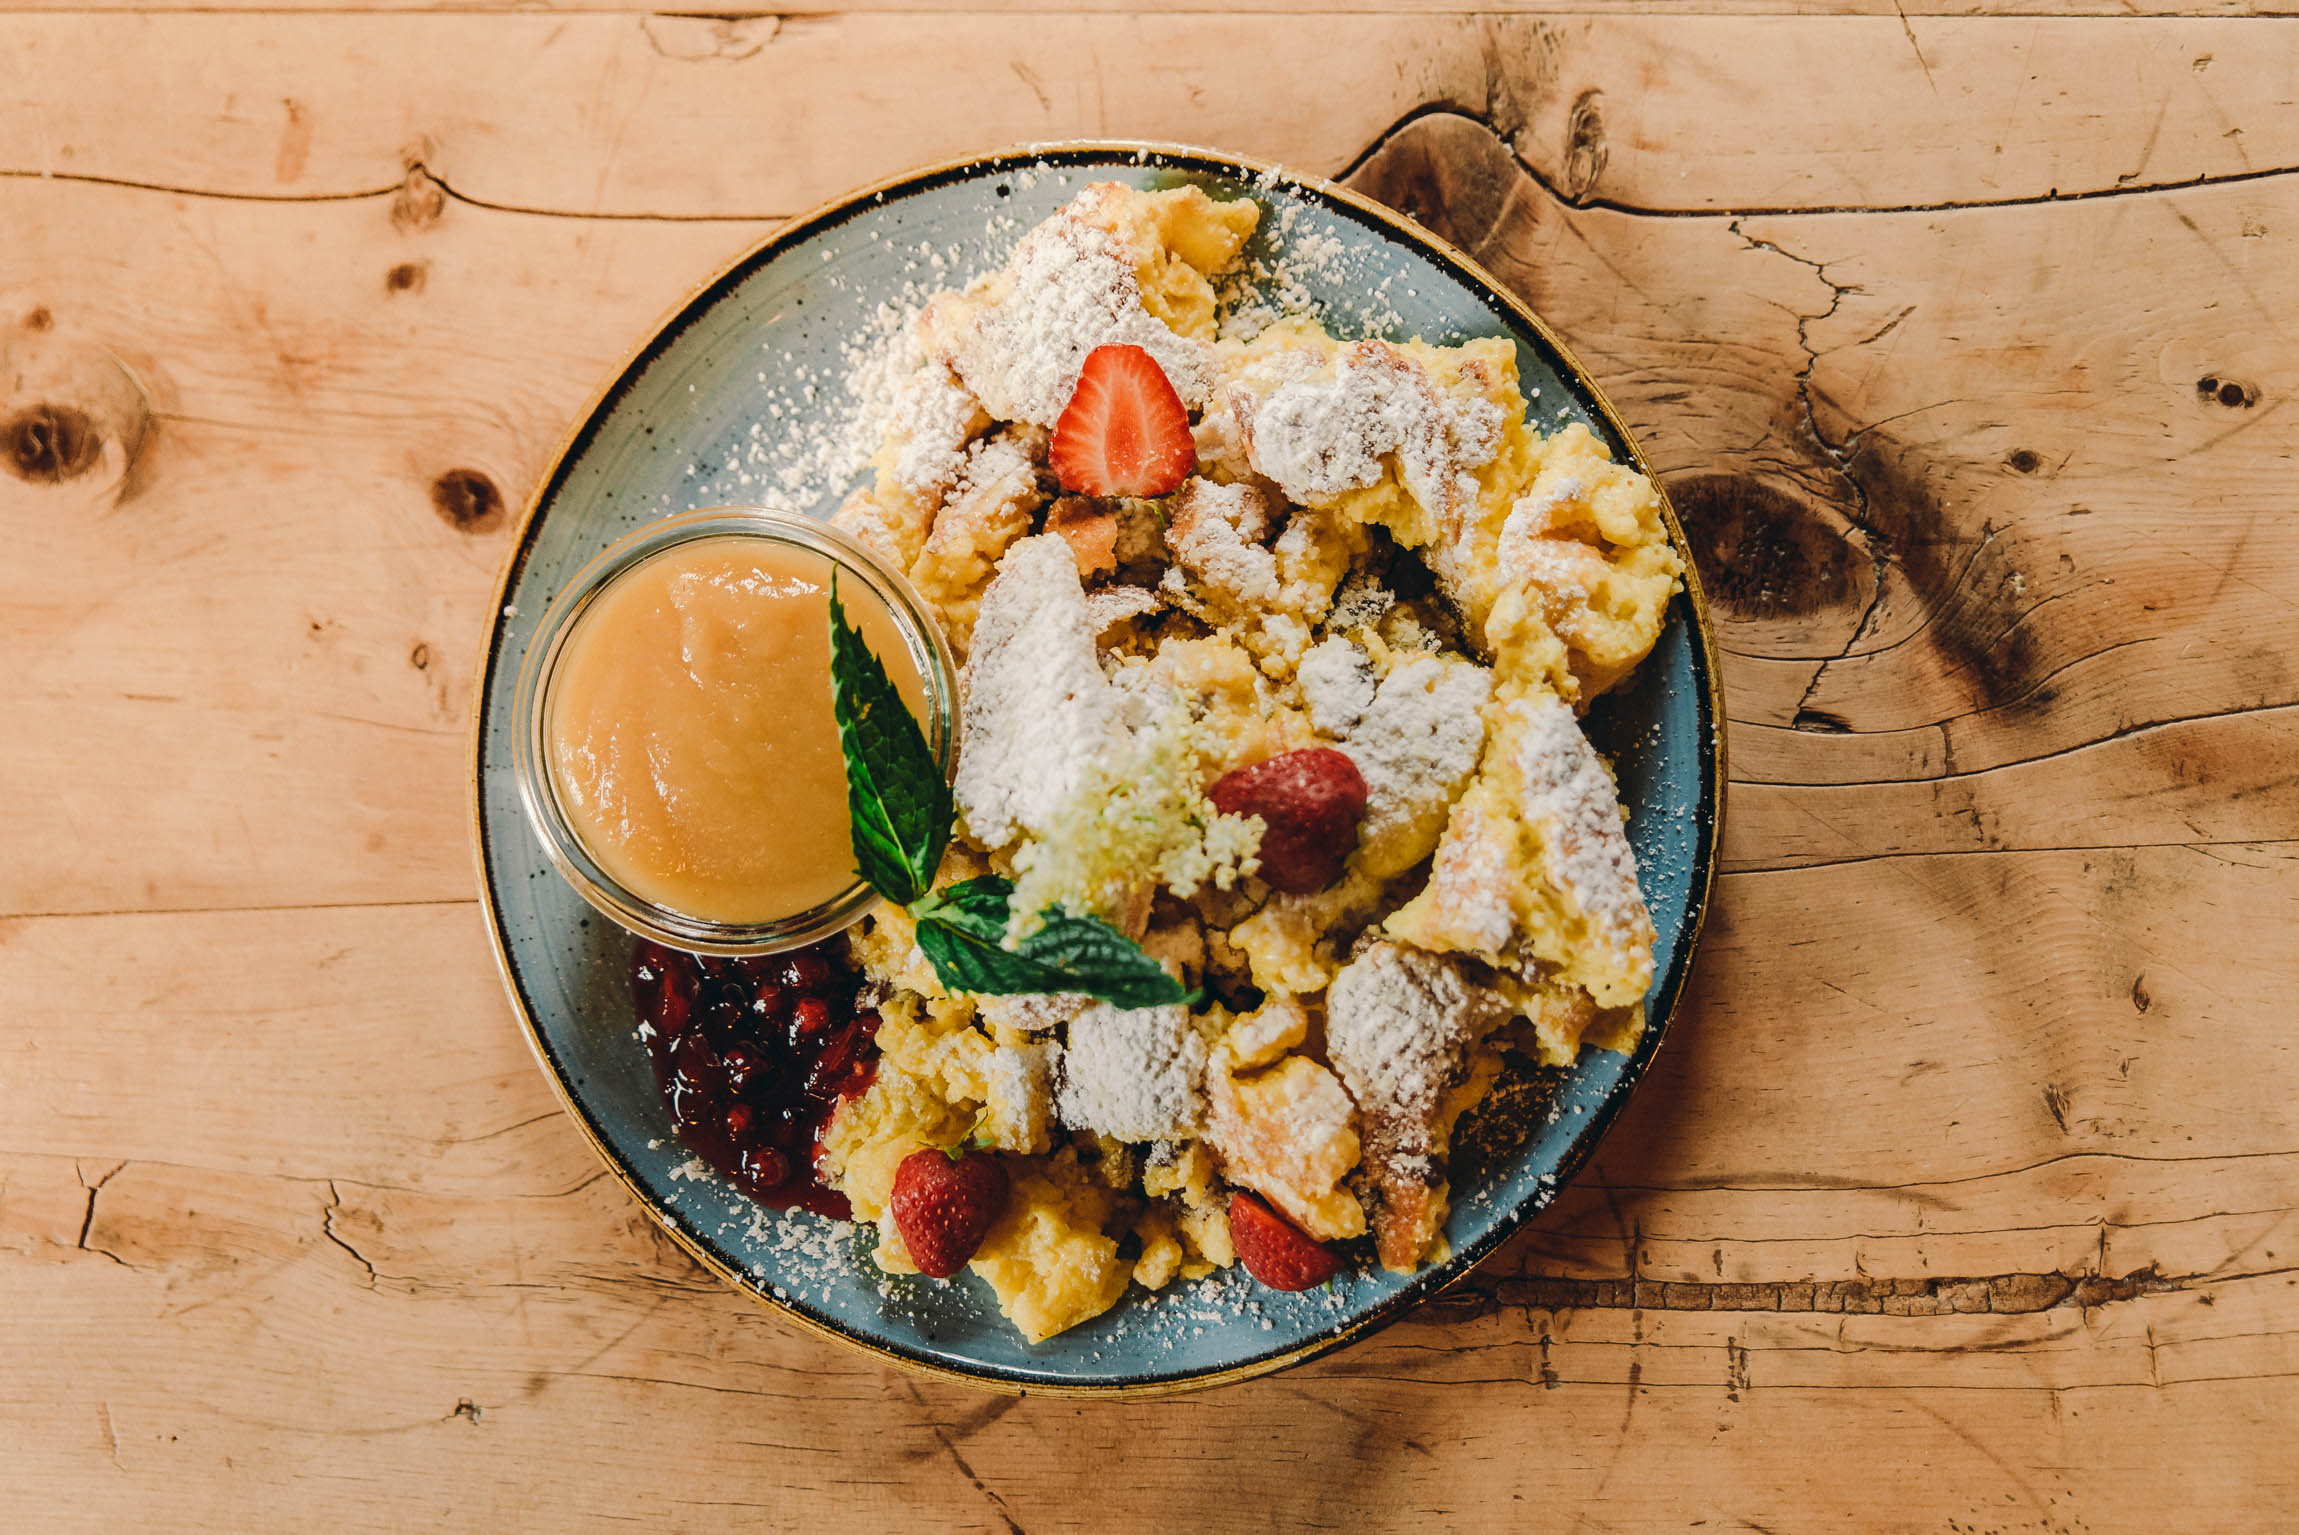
{"type": "Point", "coordinates": [902, 811]}
{"type": "Point", "coordinates": [962, 930]}
{"type": "Point", "coordinates": [896, 797]}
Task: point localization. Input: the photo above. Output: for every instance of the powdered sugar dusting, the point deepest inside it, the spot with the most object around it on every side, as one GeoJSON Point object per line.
{"type": "Point", "coordinates": [810, 441]}
{"type": "Point", "coordinates": [1020, 345]}
{"type": "Point", "coordinates": [1542, 822]}
{"type": "Point", "coordinates": [1320, 438]}
{"type": "Point", "coordinates": [1285, 282]}
{"type": "Point", "coordinates": [1562, 567]}
{"type": "Point", "coordinates": [906, 389]}
{"type": "Point", "coordinates": [1137, 1074]}
{"type": "Point", "coordinates": [1534, 513]}
{"type": "Point", "coordinates": [933, 416]}
{"type": "Point", "coordinates": [1338, 685]}
{"type": "Point", "coordinates": [1019, 1110]}
{"type": "Point", "coordinates": [1399, 1024]}
{"type": "Point", "coordinates": [1108, 606]}
{"type": "Point", "coordinates": [1475, 880]}
{"type": "Point", "coordinates": [1563, 789]}
{"type": "Point", "coordinates": [1558, 567]}
{"type": "Point", "coordinates": [1418, 740]}
{"type": "Point", "coordinates": [1360, 601]}
{"type": "Point", "coordinates": [1038, 712]}
{"type": "Point", "coordinates": [1212, 531]}
{"type": "Point", "coordinates": [1032, 1012]}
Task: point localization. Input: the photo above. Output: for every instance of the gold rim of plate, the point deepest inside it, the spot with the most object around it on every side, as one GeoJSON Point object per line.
{"type": "Point", "coordinates": [1143, 152]}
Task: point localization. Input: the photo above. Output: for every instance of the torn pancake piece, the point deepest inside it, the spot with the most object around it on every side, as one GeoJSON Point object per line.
{"type": "Point", "coordinates": [1416, 744]}
{"type": "Point", "coordinates": [1535, 862]}
{"type": "Point", "coordinates": [1133, 1074]}
{"type": "Point", "coordinates": [1401, 1026]}
{"type": "Point", "coordinates": [1039, 715]}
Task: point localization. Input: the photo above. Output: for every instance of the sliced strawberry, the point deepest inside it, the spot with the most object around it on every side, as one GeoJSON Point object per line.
{"type": "Point", "coordinates": [1124, 432]}
{"type": "Point", "coordinates": [944, 1206]}
{"type": "Point", "coordinates": [1274, 1250]}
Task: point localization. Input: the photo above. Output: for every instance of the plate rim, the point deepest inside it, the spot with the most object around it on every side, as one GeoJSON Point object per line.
{"type": "Point", "coordinates": [1708, 710]}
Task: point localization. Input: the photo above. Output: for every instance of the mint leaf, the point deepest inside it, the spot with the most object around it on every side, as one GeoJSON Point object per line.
{"type": "Point", "coordinates": [1093, 957]}
{"type": "Point", "coordinates": [962, 931]}
{"type": "Point", "coordinates": [896, 797]}
{"type": "Point", "coordinates": [980, 905]}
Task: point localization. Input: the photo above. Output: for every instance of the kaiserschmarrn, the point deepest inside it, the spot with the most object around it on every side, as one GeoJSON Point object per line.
{"type": "Point", "coordinates": [1379, 554]}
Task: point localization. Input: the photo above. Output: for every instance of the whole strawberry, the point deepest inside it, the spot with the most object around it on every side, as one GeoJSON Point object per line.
{"type": "Point", "coordinates": [1274, 1250]}
{"type": "Point", "coordinates": [1310, 802]}
{"type": "Point", "coordinates": [944, 1205]}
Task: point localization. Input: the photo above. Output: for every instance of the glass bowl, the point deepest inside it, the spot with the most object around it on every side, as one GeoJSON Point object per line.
{"type": "Point", "coordinates": [531, 712]}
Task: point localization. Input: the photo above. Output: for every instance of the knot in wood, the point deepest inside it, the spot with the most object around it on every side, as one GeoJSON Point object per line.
{"type": "Point", "coordinates": [70, 409]}
{"type": "Point", "coordinates": [1763, 553]}
{"type": "Point", "coordinates": [49, 444]}
{"type": "Point", "coordinates": [1586, 149]}
{"type": "Point", "coordinates": [421, 200]}
{"type": "Point", "coordinates": [467, 501]}
{"type": "Point", "coordinates": [2233, 393]}
{"type": "Point", "coordinates": [1448, 173]}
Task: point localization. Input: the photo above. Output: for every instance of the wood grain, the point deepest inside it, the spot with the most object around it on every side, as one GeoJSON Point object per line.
{"type": "Point", "coordinates": [1006, 17]}
{"type": "Point", "coordinates": [1963, 1194]}
{"type": "Point", "coordinates": [679, 117]}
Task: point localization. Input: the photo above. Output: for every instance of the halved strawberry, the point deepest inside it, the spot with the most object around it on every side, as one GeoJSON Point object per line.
{"type": "Point", "coordinates": [1274, 1250]}
{"type": "Point", "coordinates": [1124, 432]}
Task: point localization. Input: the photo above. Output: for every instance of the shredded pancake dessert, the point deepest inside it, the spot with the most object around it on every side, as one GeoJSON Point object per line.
{"type": "Point", "coordinates": [1272, 826]}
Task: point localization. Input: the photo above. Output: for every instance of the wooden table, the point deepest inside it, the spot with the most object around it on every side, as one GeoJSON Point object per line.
{"type": "Point", "coordinates": [1963, 1195]}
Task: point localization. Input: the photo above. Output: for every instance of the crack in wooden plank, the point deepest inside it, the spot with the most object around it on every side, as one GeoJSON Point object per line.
{"type": "Point", "coordinates": [327, 1230]}
{"type": "Point", "coordinates": [419, 173]}
{"type": "Point", "coordinates": [1926, 65]}
{"type": "Point", "coordinates": [88, 1217]}
{"type": "Point", "coordinates": [1564, 1240]}
{"type": "Point", "coordinates": [1872, 543]}
{"type": "Point", "coordinates": [831, 9]}
{"type": "Point", "coordinates": [1948, 596]}
{"type": "Point", "coordinates": [132, 184]}
{"type": "Point", "coordinates": [2048, 199]}
{"type": "Point", "coordinates": [488, 1135]}
{"type": "Point", "coordinates": [216, 911]}
{"type": "Point", "coordinates": [1757, 1181]}
{"type": "Point", "coordinates": [2127, 732]}
{"type": "Point", "coordinates": [1897, 1388]}
{"type": "Point", "coordinates": [1725, 870]}
{"type": "Point", "coordinates": [206, 1171]}
{"type": "Point", "coordinates": [1821, 1183]}
{"type": "Point", "coordinates": [1994, 1295]}
{"type": "Point", "coordinates": [1731, 870]}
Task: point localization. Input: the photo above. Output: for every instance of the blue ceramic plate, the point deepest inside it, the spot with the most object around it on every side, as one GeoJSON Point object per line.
{"type": "Point", "coordinates": [706, 414]}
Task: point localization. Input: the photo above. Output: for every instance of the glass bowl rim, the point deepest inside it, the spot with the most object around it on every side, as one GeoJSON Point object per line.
{"type": "Point", "coordinates": [530, 756]}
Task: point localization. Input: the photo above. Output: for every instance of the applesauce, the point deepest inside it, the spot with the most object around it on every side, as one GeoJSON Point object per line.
{"type": "Point", "coordinates": [688, 728]}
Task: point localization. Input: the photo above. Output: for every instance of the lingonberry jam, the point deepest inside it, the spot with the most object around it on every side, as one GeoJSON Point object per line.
{"type": "Point", "coordinates": [753, 1056]}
